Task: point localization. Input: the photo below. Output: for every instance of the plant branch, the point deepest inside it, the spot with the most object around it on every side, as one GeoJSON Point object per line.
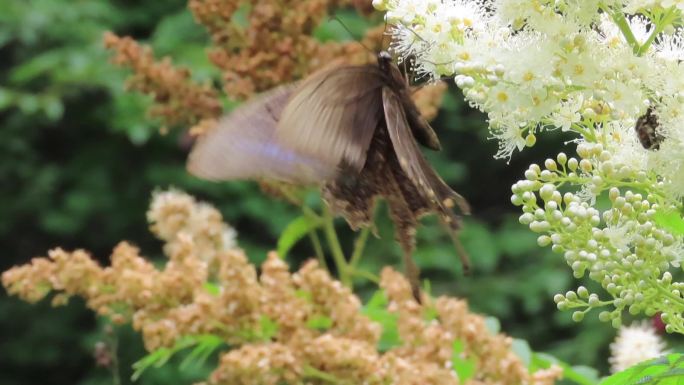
{"type": "Point", "coordinates": [335, 248]}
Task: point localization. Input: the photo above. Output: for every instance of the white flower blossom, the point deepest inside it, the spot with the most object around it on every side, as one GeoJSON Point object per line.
{"type": "Point", "coordinates": [568, 113]}
{"type": "Point", "coordinates": [634, 344]}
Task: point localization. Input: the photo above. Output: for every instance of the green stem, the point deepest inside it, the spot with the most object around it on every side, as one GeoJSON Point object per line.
{"type": "Point", "coordinates": [114, 351]}
{"type": "Point", "coordinates": [313, 236]}
{"type": "Point", "coordinates": [359, 245]}
{"type": "Point", "coordinates": [622, 23]}
{"type": "Point", "coordinates": [335, 248]}
{"type": "Point", "coordinates": [660, 25]}
{"type": "Point", "coordinates": [677, 300]}
{"type": "Point", "coordinates": [318, 249]}
{"type": "Point", "coordinates": [365, 274]}
{"type": "Point", "coordinates": [312, 372]}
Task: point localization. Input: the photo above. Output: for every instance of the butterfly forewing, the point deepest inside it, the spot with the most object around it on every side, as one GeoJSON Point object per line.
{"type": "Point", "coordinates": [333, 114]}
{"type": "Point", "coordinates": [243, 146]}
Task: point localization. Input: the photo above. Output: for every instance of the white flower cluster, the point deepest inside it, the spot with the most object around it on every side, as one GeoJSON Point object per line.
{"type": "Point", "coordinates": [609, 71]}
{"type": "Point", "coordinates": [634, 344]}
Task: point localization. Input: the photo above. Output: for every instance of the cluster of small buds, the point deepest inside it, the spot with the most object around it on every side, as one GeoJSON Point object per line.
{"type": "Point", "coordinates": [621, 246]}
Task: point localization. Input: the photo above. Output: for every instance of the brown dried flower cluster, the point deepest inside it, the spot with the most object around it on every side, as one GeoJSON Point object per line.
{"type": "Point", "coordinates": [257, 45]}
{"type": "Point", "coordinates": [304, 327]}
{"type": "Point", "coordinates": [178, 99]}
{"type": "Point", "coordinates": [431, 343]}
{"type": "Point", "coordinates": [272, 46]}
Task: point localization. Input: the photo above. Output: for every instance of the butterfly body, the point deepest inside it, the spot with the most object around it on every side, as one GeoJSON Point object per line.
{"type": "Point", "coordinates": [353, 130]}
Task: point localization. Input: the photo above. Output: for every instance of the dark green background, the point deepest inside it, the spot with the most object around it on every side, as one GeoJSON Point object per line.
{"type": "Point", "coordinates": [79, 159]}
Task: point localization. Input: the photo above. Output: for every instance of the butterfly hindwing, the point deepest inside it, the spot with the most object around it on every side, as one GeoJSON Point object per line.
{"type": "Point", "coordinates": [412, 161]}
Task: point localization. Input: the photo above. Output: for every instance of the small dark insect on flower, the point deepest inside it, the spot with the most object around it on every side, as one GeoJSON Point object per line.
{"type": "Point", "coordinates": [354, 130]}
{"type": "Point", "coordinates": [647, 130]}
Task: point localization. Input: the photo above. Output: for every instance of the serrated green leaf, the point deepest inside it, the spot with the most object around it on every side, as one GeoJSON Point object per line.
{"type": "Point", "coordinates": [670, 220]}
{"type": "Point", "coordinates": [295, 230]}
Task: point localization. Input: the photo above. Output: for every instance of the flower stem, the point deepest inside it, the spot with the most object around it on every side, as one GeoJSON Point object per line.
{"type": "Point", "coordinates": [659, 26]}
{"type": "Point", "coordinates": [335, 248]}
{"type": "Point", "coordinates": [359, 246]}
{"type": "Point", "coordinates": [365, 274]}
{"type": "Point", "coordinates": [621, 22]}
{"type": "Point", "coordinates": [113, 342]}
{"type": "Point", "coordinates": [318, 249]}
{"type": "Point", "coordinates": [312, 372]}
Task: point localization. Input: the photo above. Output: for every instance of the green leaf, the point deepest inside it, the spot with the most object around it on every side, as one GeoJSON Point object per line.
{"type": "Point", "coordinates": [476, 236]}
{"type": "Point", "coordinates": [376, 310]}
{"type": "Point", "coordinates": [493, 325]}
{"type": "Point", "coordinates": [464, 367]}
{"type": "Point", "coordinates": [6, 98]}
{"type": "Point", "coordinates": [319, 323]}
{"type": "Point", "coordinates": [304, 294]}
{"type": "Point", "coordinates": [671, 220]}
{"type": "Point", "coordinates": [53, 108]}
{"type": "Point", "coordinates": [268, 328]}
{"type": "Point", "coordinates": [160, 357]}
{"type": "Point", "coordinates": [206, 345]}
{"type": "Point", "coordinates": [582, 375]}
{"type": "Point", "coordinates": [522, 349]}
{"type": "Point", "coordinates": [666, 370]}
{"type": "Point", "coordinates": [212, 288]}
{"type": "Point", "coordinates": [345, 26]}
{"type": "Point", "coordinates": [296, 230]}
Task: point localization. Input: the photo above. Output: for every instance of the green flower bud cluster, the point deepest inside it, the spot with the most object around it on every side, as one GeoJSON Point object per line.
{"type": "Point", "coordinates": [621, 247]}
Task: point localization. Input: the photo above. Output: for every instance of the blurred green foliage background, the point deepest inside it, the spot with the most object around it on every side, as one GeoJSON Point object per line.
{"type": "Point", "coordinates": [79, 159]}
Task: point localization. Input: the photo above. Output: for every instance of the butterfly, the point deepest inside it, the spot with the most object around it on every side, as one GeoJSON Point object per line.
{"type": "Point", "coordinates": [353, 130]}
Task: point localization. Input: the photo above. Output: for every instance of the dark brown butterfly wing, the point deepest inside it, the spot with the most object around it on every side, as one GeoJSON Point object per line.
{"type": "Point", "coordinates": [413, 163]}
{"type": "Point", "coordinates": [333, 114]}
{"type": "Point", "coordinates": [420, 128]}
{"type": "Point", "coordinates": [244, 146]}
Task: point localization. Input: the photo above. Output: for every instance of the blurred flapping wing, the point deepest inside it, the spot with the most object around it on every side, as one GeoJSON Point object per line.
{"type": "Point", "coordinates": [243, 146]}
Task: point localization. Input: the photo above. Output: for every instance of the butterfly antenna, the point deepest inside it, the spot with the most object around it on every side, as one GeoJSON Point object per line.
{"type": "Point", "coordinates": [336, 18]}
